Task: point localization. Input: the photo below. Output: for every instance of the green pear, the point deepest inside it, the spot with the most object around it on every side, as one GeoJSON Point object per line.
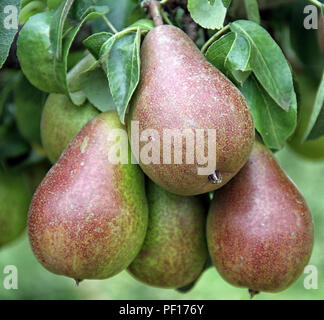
{"type": "Point", "coordinates": [174, 252]}
{"type": "Point", "coordinates": [15, 197]}
{"type": "Point", "coordinates": [88, 217]}
{"type": "Point", "coordinates": [180, 90]}
{"type": "Point", "coordinates": [259, 227]}
{"type": "Point", "coordinates": [61, 121]}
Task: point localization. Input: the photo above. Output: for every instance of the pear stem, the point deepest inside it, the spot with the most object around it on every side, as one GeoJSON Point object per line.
{"type": "Point", "coordinates": [77, 282]}
{"type": "Point", "coordinates": [155, 10]}
{"type": "Point", "coordinates": [213, 38]}
{"type": "Point", "coordinates": [253, 293]}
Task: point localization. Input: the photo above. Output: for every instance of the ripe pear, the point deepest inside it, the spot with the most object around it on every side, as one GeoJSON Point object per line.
{"type": "Point", "coordinates": [88, 217]}
{"type": "Point", "coordinates": [61, 121]}
{"type": "Point", "coordinates": [15, 197]}
{"type": "Point", "coordinates": [259, 227]}
{"type": "Point", "coordinates": [174, 252]}
{"type": "Point", "coordinates": [179, 89]}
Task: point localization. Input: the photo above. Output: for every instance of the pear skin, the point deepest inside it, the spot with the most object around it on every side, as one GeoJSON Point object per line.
{"type": "Point", "coordinates": [61, 121]}
{"type": "Point", "coordinates": [179, 89]}
{"type": "Point", "coordinates": [88, 218]}
{"type": "Point", "coordinates": [174, 252]}
{"type": "Point", "coordinates": [259, 228]}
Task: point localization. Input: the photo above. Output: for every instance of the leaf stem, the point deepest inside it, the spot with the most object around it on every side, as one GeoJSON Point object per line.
{"type": "Point", "coordinates": [109, 24]}
{"type": "Point", "coordinates": [166, 18]}
{"type": "Point", "coordinates": [213, 38]}
{"type": "Point", "coordinates": [317, 3]}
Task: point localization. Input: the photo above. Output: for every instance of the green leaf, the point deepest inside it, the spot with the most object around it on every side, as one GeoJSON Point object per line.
{"type": "Point", "coordinates": [226, 3]}
{"type": "Point", "coordinates": [206, 15]}
{"type": "Point", "coordinates": [239, 56]}
{"type": "Point", "coordinates": [82, 8]}
{"type": "Point", "coordinates": [118, 14]}
{"type": "Point", "coordinates": [218, 51]}
{"type": "Point", "coordinates": [230, 54]}
{"type": "Point", "coordinates": [53, 4]}
{"type": "Point", "coordinates": [95, 42]}
{"type": "Point", "coordinates": [318, 129]}
{"type": "Point", "coordinates": [8, 27]}
{"type": "Point", "coordinates": [267, 62]}
{"type": "Point", "coordinates": [144, 24]}
{"type": "Point", "coordinates": [274, 124]}
{"type": "Point", "coordinates": [61, 65]}
{"type": "Point", "coordinates": [35, 54]}
{"type": "Point", "coordinates": [95, 85]}
{"type": "Point", "coordinates": [57, 26]}
{"type": "Point", "coordinates": [123, 68]}
{"type": "Point", "coordinates": [252, 10]}
{"type": "Point", "coordinates": [315, 126]}
{"type": "Point", "coordinates": [237, 60]}
{"type": "Point", "coordinates": [240, 76]}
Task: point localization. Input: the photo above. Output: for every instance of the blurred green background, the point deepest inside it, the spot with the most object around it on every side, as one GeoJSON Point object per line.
{"type": "Point", "coordinates": [34, 282]}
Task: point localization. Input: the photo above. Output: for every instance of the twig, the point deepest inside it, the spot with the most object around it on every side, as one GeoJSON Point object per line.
{"type": "Point", "coordinates": [155, 10]}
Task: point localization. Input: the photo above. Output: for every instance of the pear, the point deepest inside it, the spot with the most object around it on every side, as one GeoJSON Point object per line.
{"type": "Point", "coordinates": [259, 227]}
{"type": "Point", "coordinates": [180, 90]}
{"type": "Point", "coordinates": [61, 121]}
{"type": "Point", "coordinates": [15, 197]}
{"type": "Point", "coordinates": [88, 217]}
{"type": "Point", "coordinates": [174, 252]}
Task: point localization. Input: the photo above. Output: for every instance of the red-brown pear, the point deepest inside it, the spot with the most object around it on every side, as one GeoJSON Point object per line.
{"type": "Point", "coordinates": [259, 227]}
{"type": "Point", "coordinates": [180, 90]}
{"type": "Point", "coordinates": [88, 218]}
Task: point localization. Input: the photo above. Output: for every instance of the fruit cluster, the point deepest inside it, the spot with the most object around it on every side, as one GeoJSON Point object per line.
{"type": "Point", "coordinates": [91, 219]}
{"type": "Point", "coordinates": [165, 218]}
